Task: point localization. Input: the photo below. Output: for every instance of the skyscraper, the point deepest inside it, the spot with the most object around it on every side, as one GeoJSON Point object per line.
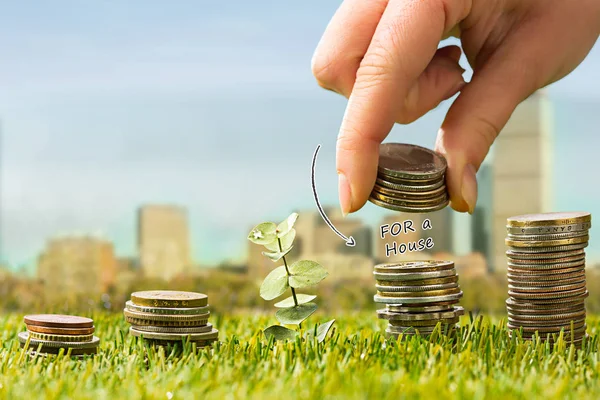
{"type": "Point", "coordinates": [77, 264]}
{"type": "Point", "coordinates": [522, 170]}
{"type": "Point", "coordinates": [163, 241]}
{"type": "Point", "coordinates": [397, 230]}
{"type": "Point", "coordinates": [483, 217]}
{"type": "Point", "coordinates": [441, 231]}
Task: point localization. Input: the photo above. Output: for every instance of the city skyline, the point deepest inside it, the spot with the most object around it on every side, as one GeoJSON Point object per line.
{"type": "Point", "coordinates": [102, 113]}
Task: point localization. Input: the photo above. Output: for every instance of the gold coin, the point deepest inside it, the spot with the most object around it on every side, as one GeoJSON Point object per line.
{"type": "Point", "coordinates": [547, 243]}
{"type": "Point", "coordinates": [161, 317]}
{"type": "Point", "coordinates": [174, 324]}
{"type": "Point", "coordinates": [422, 282]}
{"type": "Point", "coordinates": [414, 266]}
{"type": "Point", "coordinates": [60, 338]}
{"type": "Point", "coordinates": [430, 293]}
{"type": "Point", "coordinates": [169, 298]}
{"type": "Point", "coordinates": [549, 219]}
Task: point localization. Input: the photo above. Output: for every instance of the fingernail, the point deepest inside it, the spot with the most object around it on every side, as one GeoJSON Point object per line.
{"type": "Point", "coordinates": [469, 187]}
{"type": "Point", "coordinates": [345, 194]}
{"type": "Point", "coordinates": [458, 86]}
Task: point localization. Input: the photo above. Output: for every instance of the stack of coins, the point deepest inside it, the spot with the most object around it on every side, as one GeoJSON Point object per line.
{"type": "Point", "coordinates": [410, 179]}
{"type": "Point", "coordinates": [546, 274]}
{"type": "Point", "coordinates": [164, 317]}
{"type": "Point", "coordinates": [418, 295]}
{"type": "Point", "coordinates": [49, 333]}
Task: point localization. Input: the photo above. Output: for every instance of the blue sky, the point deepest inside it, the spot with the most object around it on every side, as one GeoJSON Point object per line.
{"type": "Point", "coordinates": [109, 105]}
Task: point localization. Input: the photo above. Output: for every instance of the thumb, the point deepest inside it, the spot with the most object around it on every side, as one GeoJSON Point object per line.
{"type": "Point", "coordinates": [477, 117]}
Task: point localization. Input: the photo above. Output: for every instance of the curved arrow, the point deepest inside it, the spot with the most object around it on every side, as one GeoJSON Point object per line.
{"type": "Point", "coordinates": [349, 240]}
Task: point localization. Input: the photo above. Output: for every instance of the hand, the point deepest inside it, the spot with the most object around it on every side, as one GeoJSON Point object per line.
{"type": "Point", "coordinates": [382, 55]}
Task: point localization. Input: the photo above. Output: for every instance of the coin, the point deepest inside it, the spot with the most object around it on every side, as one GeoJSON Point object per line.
{"type": "Point", "coordinates": [426, 316]}
{"type": "Point", "coordinates": [517, 256]}
{"type": "Point", "coordinates": [60, 331]}
{"type": "Point", "coordinates": [161, 317]}
{"type": "Point", "coordinates": [422, 282]}
{"type": "Point", "coordinates": [416, 187]}
{"type": "Point", "coordinates": [543, 230]}
{"type": "Point", "coordinates": [409, 194]}
{"type": "Point", "coordinates": [544, 312]}
{"type": "Point", "coordinates": [549, 219]}
{"type": "Point", "coordinates": [414, 308]}
{"type": "Point", "coordinates": [404, 277]}
{"type": "Point", "coordinates": [58, 321]}
{"type": "Point", "coordinates": [429, 293]}
{"type": "Point", "coordinates": [423, 323]}
{"type": "Point", "coordinates": [24, 336]}
{"type": "Point", "coordinates": [415, 266]}
{"type": "Point", "coordinates": [550, 291]}
{"type": "Point", "coordinates": [166, 311]}
{"type": "Point", "coordinates": [408, 161]}
{"type": "Point", "coordinates": [547, 243]}
{"type": "Point", "coordinates": [213, 334]}
{"type": "Point", "coordinates": [174, 344]}
{"type": "Point", "coordinates": [407, 208]}
{"type": "Point", "coordinates": [547, 296]}
{"type": "Point", "coordinates": [549, 317]}
{"type": "Point", "coordinates": [60, 338]}
{"type": "Point", "coordinates": [173, 323]}
{"type": "Point", "coordinates": [421, 202]}
{"type": "Point", "coordinates": [45, 350]}
{"type": "Point", "coordinates": [546, 250]}
{"type": "Point", "coordinates": [548, 285]}
{"type": "Point", "coordinates": [550, 236]}
{"type": "Point", "coordinates": [416, 300]}
{"type": "Point", "coordinates": [388, 288]}
{"type": "Point", "coordinates": [169, 298]}
{"type": "Point", "coordinates": [161, 329]}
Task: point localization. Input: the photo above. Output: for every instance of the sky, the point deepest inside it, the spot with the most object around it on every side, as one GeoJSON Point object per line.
{"type": "Point", "coordinates": [108, 105]}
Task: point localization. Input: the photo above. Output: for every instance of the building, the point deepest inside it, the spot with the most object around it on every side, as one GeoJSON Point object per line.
{"type": "Point", "coordinates": [522, 170]}
{"type": "Point", "coordinates": [441, 229]}
{"type": "Point", "coordinates": [77, 265]}
{"type": "Point", "coordinates": [397, 229]}
{"type": "Point", "coordinates": [483, 217]}
{"type": "Point", "coordinates": [163, 241]}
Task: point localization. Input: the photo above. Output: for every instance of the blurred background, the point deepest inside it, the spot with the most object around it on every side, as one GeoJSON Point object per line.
{"type": "Point", "coordinates": [141, 141]}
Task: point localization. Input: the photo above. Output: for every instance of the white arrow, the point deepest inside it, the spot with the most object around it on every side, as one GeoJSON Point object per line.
{"type": "Point", "coordinates": [349, 240]}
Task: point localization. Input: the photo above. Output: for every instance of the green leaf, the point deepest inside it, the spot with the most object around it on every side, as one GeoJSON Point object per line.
{"type": "Point", "coordinates": [284, 227]}
{"type": "Point", "coordinates": [280, 332]}
{"type": "Point", "coordinates": [274, 284]}
{"type": "Point", "coordinates": [289, 302]}
{"type": "Point", "coordinates": [264, 233]}
{"type": "Point", "coordinates": [323, 329]}
{"type": "Point", "coordinates": [286, 241]}
{"type": "Point", "coordinates": [277, 255]}
{"type": "Point", "coordinates": [296, 314]}
{"type": "Point", "coordinates": [306, 273]}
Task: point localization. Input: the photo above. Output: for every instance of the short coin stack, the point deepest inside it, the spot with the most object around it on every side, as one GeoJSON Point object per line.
{"type": "Point", "coordinates": [418, 295]}
{"type": "Point", "coordinates": [546, 274]}
{"type": "Point", "coordinates": [165, 317]}
{"type": "Point", "coordinates": [410, 179]}
{"type": "Point", "coordinates": [49, 333]}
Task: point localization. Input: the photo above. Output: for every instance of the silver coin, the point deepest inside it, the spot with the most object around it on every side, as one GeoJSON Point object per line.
{"type": "Point", "coordinates": [164, 329]}
{"type": "Point", "coordinates": [548, 266]}
{"type": "Point", "coordinates": [408, 209]}
{"type": "Point", "coordinates": [549, 236]}
{"type": "Point", "coordinates": [421, 309]}
{"type": "Point", "coordinates": [516, 256]}
{"type": "Point", "coordinates": [165, 311]}
{"type": "Point", "coordinates": [416, 300]}
{"type": "Point", "coordinates": [514, 284]}
{"type": "Point", "coordinates": [24, 336]}
{"type": "Point", "coordinates": [160, 317]}
{"type": "Point", "coordinates": [545, 230]}
{"type": "Point", "coordinates": [544, 250]}
{"type": "Point", "coordinates": [550, 290]}
{"type": "Point", "coordinates": [417, 202]}
{"type": "Point", "coordinates": [409, 161]}
{"type": "Point", "coordinates": [423, 323]}
{"type": "Point", "coordinates": [213, 334]}
{"type": "Point", "coordinates": [413, 276]}
{"type": "Point", "coordinates": [387, 314]}
{"type": "Point", "coordinates": [410, 187]}
{"type": "Point", "coordinates": [546, 296]}
{"type": "Point", "coordinates": [387, 288]}
{"type": "Point", "coordinates": [410, 195]}
{"type": "Point", "coordinates": [548, 317]}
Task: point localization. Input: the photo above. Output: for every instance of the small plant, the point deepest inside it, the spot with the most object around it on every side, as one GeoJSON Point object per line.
{"type": "Point", "coordinates": [278, 240]}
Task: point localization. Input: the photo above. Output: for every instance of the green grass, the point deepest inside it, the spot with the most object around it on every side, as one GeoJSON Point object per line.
{"type": "Point", "coordinates": [355, 363]}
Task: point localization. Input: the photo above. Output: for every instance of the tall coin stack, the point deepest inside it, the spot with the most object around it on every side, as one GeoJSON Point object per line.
{"type": "Point", "coordinates": [165, 317]}
{"type": "Point", "coordinates": [546, 274]}
{"type": "Point", "coordinates": [49, 333]}
{"type": "Point", "coordinates": [410, 178]}
{"type": "Point", "coordinates": [418, 295]}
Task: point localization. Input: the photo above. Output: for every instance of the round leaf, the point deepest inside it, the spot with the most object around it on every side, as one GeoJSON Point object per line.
{"type": "Point", "coordinates": [306, 273]}
{"type": "Point", "coordinates": [286, 242]}
{"type": "Point", "coordinates": [289, 302]}
{"type": "Point", "coordinates": [264, 233]}
{"type": "Point", "coordinates": [284, 227]}
{"type": "Point", "coordinates": [296, 314]}
{"type": "Point", "coordinates": [323, 329]}
{"type": "Point", "coordinates": [277, 255]}
{"type": "Point", "coordinates": [280, 332]}
{"type": "Point", "coordinates": [274, 284]}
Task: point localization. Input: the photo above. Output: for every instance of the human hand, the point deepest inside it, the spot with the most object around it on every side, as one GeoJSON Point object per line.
{"type": "Point", "coordinates": [382, 55]}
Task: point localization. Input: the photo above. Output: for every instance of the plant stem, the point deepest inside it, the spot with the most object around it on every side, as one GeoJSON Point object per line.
{"type": "Point", "coordinates": [288, 272]}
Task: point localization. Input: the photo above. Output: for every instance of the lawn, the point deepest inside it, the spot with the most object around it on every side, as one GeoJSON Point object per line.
{"type": "Point", "coordinates": [355, 362]}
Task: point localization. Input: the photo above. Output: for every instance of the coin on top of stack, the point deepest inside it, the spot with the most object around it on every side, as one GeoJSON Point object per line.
{"type": "Point", "coordinates": [49, 333]}
{"type": "Point", "coordinates": [546, 274]}
{"type": "Point", "coordinates": [164, 317]}
{"type": "Point", "coordinates": [418, 295]}
{"type": "Point", "coordinates": [410, 179]}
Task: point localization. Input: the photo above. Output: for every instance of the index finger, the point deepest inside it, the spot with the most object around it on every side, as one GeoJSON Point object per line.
{"type": "Point", "coordinates": [404, 43]}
